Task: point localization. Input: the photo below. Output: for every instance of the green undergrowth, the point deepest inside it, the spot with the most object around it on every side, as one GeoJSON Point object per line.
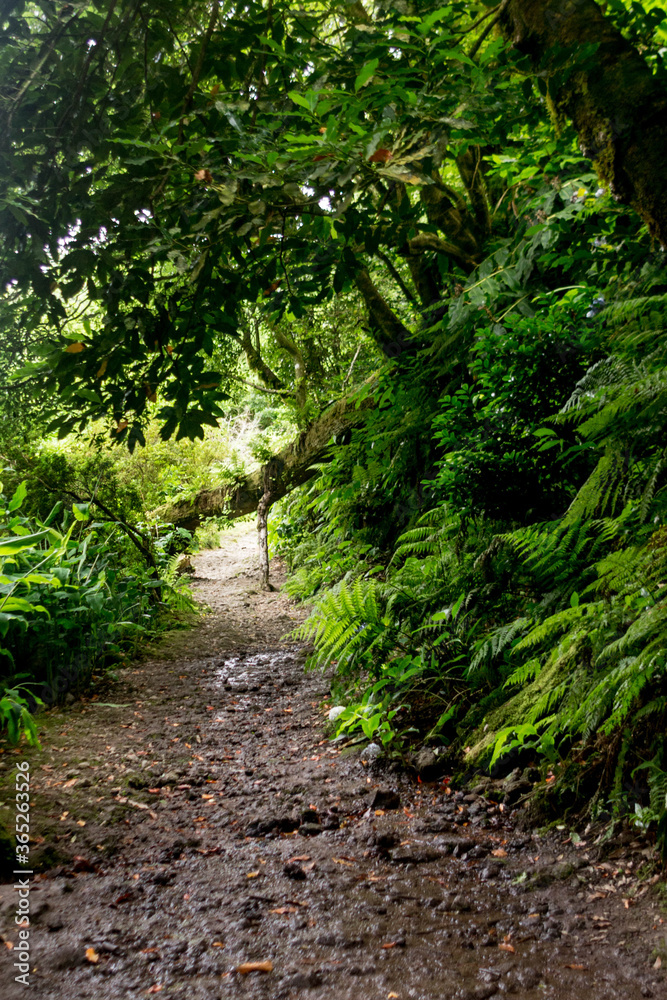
{"type": "Point", "coordinates": [77, 595]}
{"type": "Point", "coordinates": [511, 605]}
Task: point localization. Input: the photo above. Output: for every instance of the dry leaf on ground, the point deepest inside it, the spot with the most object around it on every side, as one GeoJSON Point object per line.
{"type": "Point", "coordinates": [247, 967]}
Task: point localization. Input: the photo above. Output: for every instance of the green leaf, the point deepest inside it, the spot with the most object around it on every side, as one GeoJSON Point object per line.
{"type": "Point", "coordinates": [366, 73]}
{"type": "Point", "coordinates": [19, 497]}
{"type": "Point", "coordinates": [299, 99]}
{"type": "Point", "coordinates": [11, 546]}
{"type": "Point", "coordinates": [81, 511]}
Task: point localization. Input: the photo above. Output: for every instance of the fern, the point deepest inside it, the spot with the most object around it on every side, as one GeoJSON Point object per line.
{"type": "Point", "coordinates": [346, 626]}
{"type": "Point", "coordinates": [496, 643]}
{"type": "Point", "coordinates": [526, 672]}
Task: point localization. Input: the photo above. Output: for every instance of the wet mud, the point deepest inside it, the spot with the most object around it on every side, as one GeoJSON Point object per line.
{"type": "Point", "coordinates": [207, 840]}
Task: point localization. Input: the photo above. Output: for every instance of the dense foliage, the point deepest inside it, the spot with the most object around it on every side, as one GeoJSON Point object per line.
{"type": "Point", "coordinates": [410, 215]}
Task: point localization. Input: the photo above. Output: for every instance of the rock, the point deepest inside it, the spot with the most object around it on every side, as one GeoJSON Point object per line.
{"type": "Point", "coordinates": [310, 829]}
{"type": "Point", "coordinates": [295, 871]}
{"type": "Point", "coordinates": [330, 822]}
{"type": "Point", "coordinates": [427, 764]}
{"type": "Point", "coordinates": [385, 840]}
{"type": "Point", "coordinates": [372, 751]}
{"type": "Point", "coordinates": [304, 980]}
{"type": "Point", "coordinates": [479, 851]}
{"type": "Point", "coordinates": [385, 798]}
{"type": "Point", "coordinates": [69, 956]}
{"type": "Point", "coordinates": [531, 774]}
{"type": "Point", "coordinates": [168, 778]}
{"type": "Point", "coordinates": [184, 565]}
{"type": "Point", "coordinates": [528, 977]}
{"type": "Point", "coordinates": [327, 940]}
{"type": "Point", "coordinates": [455, 845]}
{"type": "Point", "coordinates": [310, 816]}
{"type": "Point", "coordinates": [514, 790]}
{"type": "Point", "coordinates": [478, 993]}
{"type": "Point", "coordinates": [362, 970]}
{"type": "Point", "coordinates": [415, 855]}
{"type": "Point", "coordinates": [435, 825]}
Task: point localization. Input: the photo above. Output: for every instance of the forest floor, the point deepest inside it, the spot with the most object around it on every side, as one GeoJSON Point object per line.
{"type": "Point", "coordinates": [194, 818]}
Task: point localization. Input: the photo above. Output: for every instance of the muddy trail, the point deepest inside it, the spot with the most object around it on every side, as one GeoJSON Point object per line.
{"type": "Point", "coordinates": [197, 835]}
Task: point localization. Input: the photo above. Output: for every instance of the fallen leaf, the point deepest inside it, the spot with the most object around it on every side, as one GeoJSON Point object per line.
{"type": "Point", "coordinates": [81, 822]}
{"type": "Point", "coordinates": [64, 815]}
{"type": "Point", "coordinates": [392, 996]}
{"type": "Point", "coordinates": [627, 903]}
{"type": "Point", "coordinates": [284, 909]}
{"type": "Point", "coordinates": [154, 989]}
{"type": "Point", "coordinates": [658, 963]}
{"type": "Point", "coordinates": [506, 947]}
{"type": "Point", "coordinates": [247, 967]}
{"type": "Point", "coordinates": [252, 874]}
{"type": "Point", "coordinates": [581, 968]}
{"type": "Point", "coordinates": [70, 783]}
{"type": "Point", "coordinates": [379, 812]}
{"type": "Point", "coordinates": [391, 944]}
{"type": "Point", "coordinates": [92, 956]}
{"type": "Point", "coordinates": [340, 861]}
{"type": "Point", "coordinates": [9, 945]}
{"type": "Point", "coordinates": [499, 853]}
{"type": "Point", "coordinates": [218, 944]}
{"type": "Point", "coordinates": [299, 857]}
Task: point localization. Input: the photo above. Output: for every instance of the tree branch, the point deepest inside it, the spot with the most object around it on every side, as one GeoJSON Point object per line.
{"type": "Point", "coordinates": [395, 275]}
{"type": "Point", "coordinates": [391, 335]}
{"type": "Point", "coordinates": [292, 467]}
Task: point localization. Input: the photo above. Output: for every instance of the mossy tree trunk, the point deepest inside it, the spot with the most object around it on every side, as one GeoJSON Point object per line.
{"type": "Point", "coordinates": [291, 467]}
{"type": "Point", "coordinates": [272, 475]}
{"type": "Point", "coordinates": [598, 80]}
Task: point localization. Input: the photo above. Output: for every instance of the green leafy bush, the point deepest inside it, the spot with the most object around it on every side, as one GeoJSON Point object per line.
{"type": "Point", "coordinates": [72, 597]}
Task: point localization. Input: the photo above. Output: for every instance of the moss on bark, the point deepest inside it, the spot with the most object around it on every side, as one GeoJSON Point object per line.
{"type": "Point", "coordinates": [603, 85]}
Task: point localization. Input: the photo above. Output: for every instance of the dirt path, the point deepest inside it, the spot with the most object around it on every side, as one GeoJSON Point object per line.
{"type": "Point", "coordinates": [208, 823]}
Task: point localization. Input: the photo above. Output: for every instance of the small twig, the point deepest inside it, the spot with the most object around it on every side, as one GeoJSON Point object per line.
{"type": "Point", "coordinates": [490, 26]}
{"type": "Point", "coordinates": [349, 371]}
{"type": "Point", "coordinates": [393, 270]}
{"type": "Point", "coordinates": [261, 388]}
{"type": "Point", "coordinates": [198, 68]}
{"type": "Point", "coordinates": [479, 21]}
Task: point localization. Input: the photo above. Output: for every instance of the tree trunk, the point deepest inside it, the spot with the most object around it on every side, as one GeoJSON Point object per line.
{"type": "Point", "coordinates": [291, 467]}
{"type": "Point", "coordinates": [263, 541]}
{"type": "Point", "coordinates": [271, 473]}
{"type": "Point", "coordinates": [598, 80]}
